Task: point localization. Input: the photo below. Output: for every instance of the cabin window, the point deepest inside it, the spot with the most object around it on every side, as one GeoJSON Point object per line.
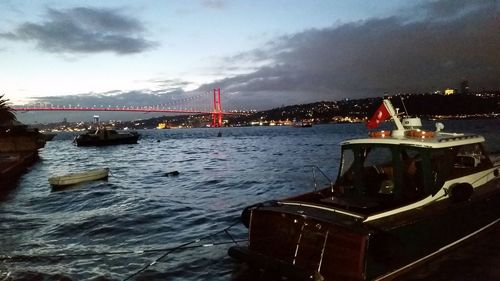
{"type": "Point", "coordinates": [367, 170]}
{"type": "Point", "coordinates": [349, 170]}
{"type": "Point", "coordinates": [377, 157]}
{"type": "Point", "coordinates": [412, 174]}
{"type": "Point", "coordinates": [378, 170]}
{"type": "Point", "coordinates": [470, 156]}
{"type": "Point", "coordinates": [468, 159]}
{"type": "Point", "coordinates": [441, 167]}
{"type": "Point", "coordinates": [458, 161]}
{"type": "Point", "coordinates": [347, 161]}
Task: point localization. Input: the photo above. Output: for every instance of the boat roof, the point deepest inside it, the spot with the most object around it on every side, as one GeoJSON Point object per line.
{"type": "Point", "coordinates": [439, 140]}
{"type": "Point", "coordinates": [408, 132]}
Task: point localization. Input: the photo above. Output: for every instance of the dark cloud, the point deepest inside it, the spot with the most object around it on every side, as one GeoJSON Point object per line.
{"type": "Point", "coordinates": [452, 9]}
{"type": "Point", "coordinates": [169, 85]}
{"type": "Point", "coordinates": [113, 98]}
{"type": "Point", "coordinates": [367, 58]}
{"type": "Point", "coordinates": [84, 30]}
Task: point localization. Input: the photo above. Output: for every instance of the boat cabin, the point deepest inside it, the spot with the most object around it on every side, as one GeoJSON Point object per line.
{"type": "Point", "coordinates": [382, 174]}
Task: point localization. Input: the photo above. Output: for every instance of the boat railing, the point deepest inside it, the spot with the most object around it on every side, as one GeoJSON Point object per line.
{"type": "Point", "coordinates": [315, 170]}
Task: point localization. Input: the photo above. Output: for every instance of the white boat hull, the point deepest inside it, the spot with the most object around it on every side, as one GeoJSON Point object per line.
{"type": "Point", "coordinates": [75, 178]}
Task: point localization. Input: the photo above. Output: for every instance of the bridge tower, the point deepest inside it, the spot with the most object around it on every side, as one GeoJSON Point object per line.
{"type": "Point", "coordinates": [217, 109]}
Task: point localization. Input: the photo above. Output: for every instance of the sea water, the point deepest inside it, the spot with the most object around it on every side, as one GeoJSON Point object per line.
{"type": "Point", "coordinates": [116, 229]}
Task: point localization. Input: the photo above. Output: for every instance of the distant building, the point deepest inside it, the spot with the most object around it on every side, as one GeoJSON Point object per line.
{"type": "Point", "coordinates": [449, 91]}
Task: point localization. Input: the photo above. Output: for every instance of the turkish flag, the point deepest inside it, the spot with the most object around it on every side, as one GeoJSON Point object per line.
{"type": "Point", "coordinates": [380, 115]}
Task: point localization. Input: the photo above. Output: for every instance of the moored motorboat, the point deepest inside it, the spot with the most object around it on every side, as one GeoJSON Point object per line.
{"type": "Point", "coordinates": [79, 177]}
{"type": "Point", "coordinates": [401, 197]}
{"type": "Point", "coordinates": [104, 136]}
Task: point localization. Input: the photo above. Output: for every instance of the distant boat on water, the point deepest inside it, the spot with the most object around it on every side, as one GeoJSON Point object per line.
{"type": "Point", "coordinates": [103, 137]}
{"type": "Point", "coordinates": [301, 124]}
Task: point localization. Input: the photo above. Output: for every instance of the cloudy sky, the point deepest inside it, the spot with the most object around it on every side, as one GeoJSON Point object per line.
{"type": "Point", "coordinates": [262, 54]}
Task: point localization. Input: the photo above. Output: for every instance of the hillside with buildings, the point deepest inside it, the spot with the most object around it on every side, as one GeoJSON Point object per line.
{"type": "Point", "coordinates": [485, 104]}
{"type": "Point", "coordinates": [472, 105]}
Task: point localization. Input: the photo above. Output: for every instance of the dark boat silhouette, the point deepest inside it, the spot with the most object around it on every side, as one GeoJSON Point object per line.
{"type": "Point", "coordinates": [103, 137]}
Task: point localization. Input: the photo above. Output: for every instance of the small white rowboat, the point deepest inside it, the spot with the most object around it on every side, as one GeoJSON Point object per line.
{"type": "Point", "coordinates": [79, 177]}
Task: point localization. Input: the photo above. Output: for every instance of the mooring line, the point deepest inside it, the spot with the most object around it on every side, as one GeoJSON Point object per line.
{"type": "Point", "coordinates": [161, 257]}
{"type": "Point", "coordinates": [30, 257]}
{"type": "Point", "coordinates": [185, 246]}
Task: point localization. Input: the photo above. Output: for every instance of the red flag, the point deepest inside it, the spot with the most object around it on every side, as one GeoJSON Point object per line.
{"type": "Point", "coordinates": [380, 115]}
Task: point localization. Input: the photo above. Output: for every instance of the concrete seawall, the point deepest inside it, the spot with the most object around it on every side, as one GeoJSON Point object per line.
{"type": "Point", "coordinates": [18, 150]}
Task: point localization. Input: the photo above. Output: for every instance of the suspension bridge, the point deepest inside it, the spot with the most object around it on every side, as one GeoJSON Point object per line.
{"type": "Point", "coordinates": [206, 103]}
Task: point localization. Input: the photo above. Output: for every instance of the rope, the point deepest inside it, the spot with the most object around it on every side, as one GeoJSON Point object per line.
{"type": "Point", "coordinates": [184, 246]}
{"type": "Point", "coordinates": [60, 256]}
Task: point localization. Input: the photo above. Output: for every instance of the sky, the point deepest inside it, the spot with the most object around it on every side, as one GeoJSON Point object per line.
{"type": "Point", "coordinates": [262, 54]}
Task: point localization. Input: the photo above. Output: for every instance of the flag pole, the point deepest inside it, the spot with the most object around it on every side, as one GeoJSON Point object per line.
{"type": "Point", "coordinates": [399, 126]}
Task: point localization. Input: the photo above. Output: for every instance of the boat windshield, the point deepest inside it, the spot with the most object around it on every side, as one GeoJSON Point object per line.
{"type": "Point", "coordinates": [377, 177]}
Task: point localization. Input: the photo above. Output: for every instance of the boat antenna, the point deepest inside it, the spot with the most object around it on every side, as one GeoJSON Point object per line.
{"type": "Point", "coordinates": [404, 106]}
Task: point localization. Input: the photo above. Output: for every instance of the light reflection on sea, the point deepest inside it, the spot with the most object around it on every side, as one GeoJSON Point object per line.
{"type": "Point", "coordinates": [139, 208]}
